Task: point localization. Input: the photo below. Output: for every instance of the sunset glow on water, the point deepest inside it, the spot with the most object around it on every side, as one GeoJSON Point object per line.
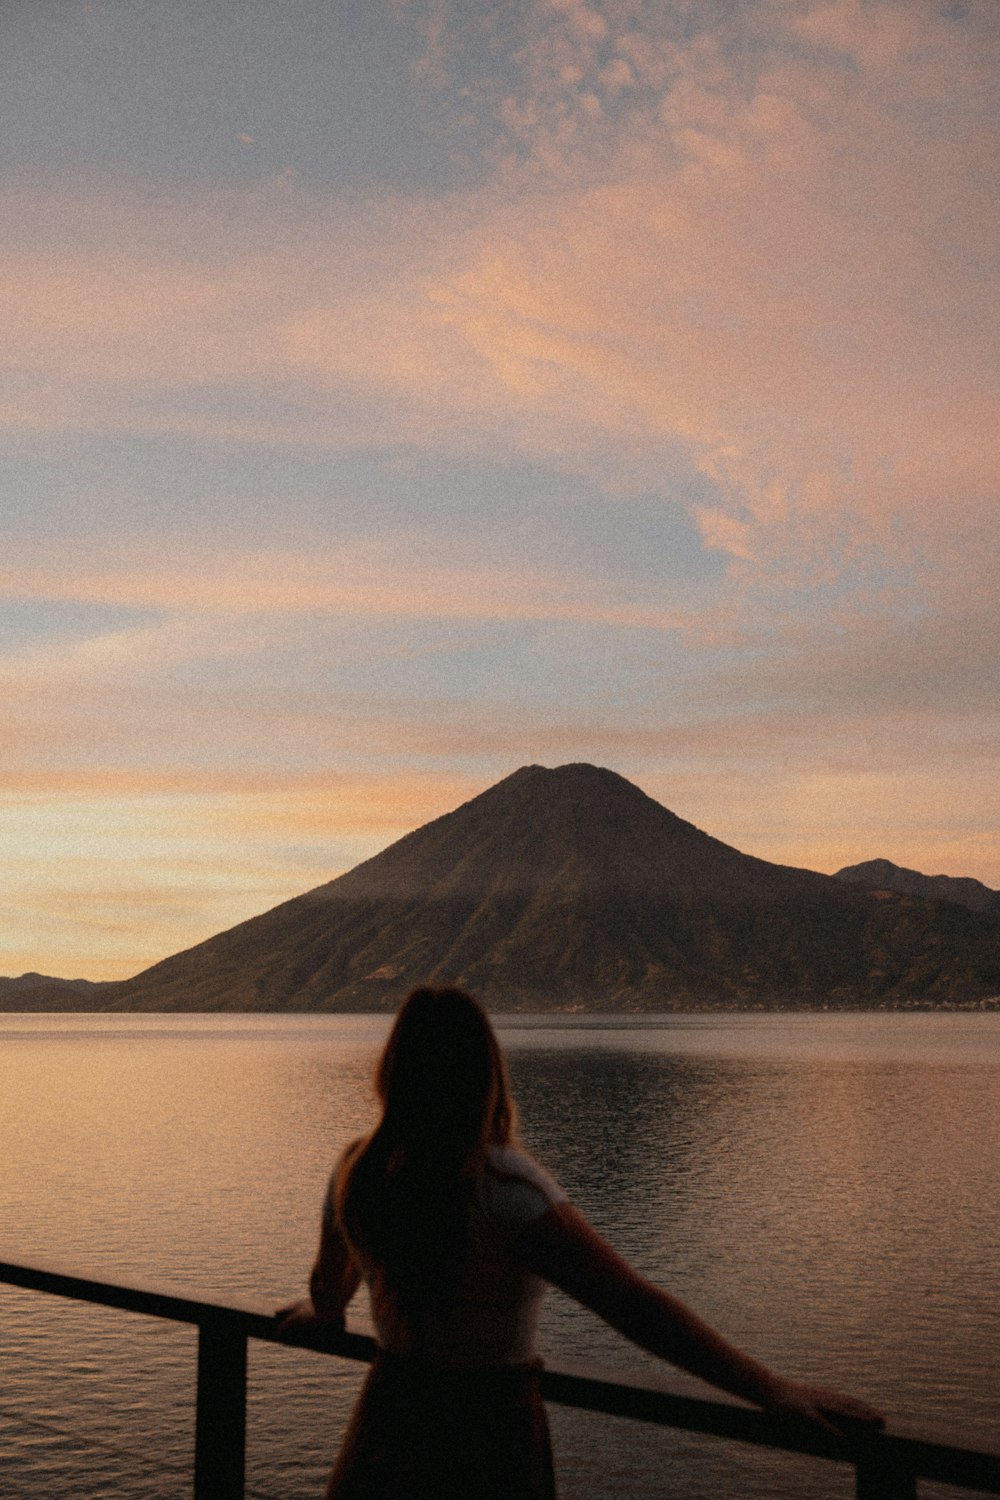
{"type": "Point", "coordinates": [825, 1189]}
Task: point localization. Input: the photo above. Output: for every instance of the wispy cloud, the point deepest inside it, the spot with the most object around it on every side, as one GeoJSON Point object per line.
{"type": "Point", "coordinates": [365, 579]}
{"type": "Point", "coordinates": [738, 271]}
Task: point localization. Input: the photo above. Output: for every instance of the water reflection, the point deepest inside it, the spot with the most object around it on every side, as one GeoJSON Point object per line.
{"type": "Point", "coordinates": [826, 1189]}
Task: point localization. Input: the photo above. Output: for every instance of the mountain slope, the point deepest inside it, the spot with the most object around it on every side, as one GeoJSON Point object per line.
{"type": "Point", "coordinates": [571, 889]}
{"type": "Point", "coordinates": [883, 875]}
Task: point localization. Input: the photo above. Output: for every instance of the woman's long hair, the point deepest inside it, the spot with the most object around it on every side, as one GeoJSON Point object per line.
{"type": "Point", "coordinates": [403, 1200]}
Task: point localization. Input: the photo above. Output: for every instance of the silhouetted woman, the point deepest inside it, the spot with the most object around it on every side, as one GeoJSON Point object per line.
{"type": "Point", "coordinates": [456, 1230]}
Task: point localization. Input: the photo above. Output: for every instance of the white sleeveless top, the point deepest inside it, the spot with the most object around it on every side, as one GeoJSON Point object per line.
{"type": "Point", "coordinates": [495, 1316]}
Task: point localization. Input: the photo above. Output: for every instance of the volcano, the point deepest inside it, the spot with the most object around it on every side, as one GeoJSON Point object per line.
{"type": "Point", "coordinates": [571, 890]}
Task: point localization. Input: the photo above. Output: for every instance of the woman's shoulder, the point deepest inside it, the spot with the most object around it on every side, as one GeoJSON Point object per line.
{"type": "Point", "coordinates": [341, 1167]}
{"type": "Point", "coordinates": [347, 1158]}
{"type": "Point", "coordinates": [520, 1188]}
{"type": "Point", "coordinates": [351, 1151]}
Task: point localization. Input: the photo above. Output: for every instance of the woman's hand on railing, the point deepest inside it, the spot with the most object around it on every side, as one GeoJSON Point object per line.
{"type": "Point", "coordinates": [301, 1316]}
{"type": "Point", "coordinates": [831, 1410]}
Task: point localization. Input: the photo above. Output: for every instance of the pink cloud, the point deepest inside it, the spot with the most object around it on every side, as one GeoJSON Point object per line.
{"type": "Point", "coordinates": [364, 579]}
{"type": "Point", "coordinates": [739, 272]}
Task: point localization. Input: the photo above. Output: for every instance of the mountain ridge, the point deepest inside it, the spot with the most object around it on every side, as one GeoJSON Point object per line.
{"type": "Point", "coordinates": [571, 889]}
{"type": "Point", "coordinates": [883, 875]}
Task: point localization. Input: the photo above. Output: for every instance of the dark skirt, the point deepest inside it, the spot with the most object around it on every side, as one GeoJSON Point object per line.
{"type": "Point", "coordinates": [423, 1433]}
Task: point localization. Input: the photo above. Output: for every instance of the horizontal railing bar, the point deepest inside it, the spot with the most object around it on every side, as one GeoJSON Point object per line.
{"type": "Point", "coordinates": [943, 1455]}
{"type": "Point", "coordinates": [180, 1304]}
{"type": "Point", "coordinates": [947, 1455]}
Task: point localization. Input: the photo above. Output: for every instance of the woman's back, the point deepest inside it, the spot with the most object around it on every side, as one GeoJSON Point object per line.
{"type": "Point", "coordinates": [426, 1210]}
{"type": "Point", "coordinates": [489, 1315]}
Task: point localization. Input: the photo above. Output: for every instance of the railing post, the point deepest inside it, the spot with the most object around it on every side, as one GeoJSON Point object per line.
{"type": "Point", "coordinates": [883, 1475]}
{"type": "Point", "coordinates": [221, 1416]}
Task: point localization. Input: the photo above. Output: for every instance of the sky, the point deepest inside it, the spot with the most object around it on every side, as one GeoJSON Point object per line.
{"type": "Point", "coordinates": [397, 393]}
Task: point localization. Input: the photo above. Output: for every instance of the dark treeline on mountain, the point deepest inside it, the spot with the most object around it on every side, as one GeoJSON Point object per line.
{"type": "Point", "coordinates": [570, 889]}
{"type": "Point", "coordinates": [883, 875]}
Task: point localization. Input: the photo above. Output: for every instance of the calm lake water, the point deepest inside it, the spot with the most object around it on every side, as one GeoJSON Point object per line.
{"type": "Point", "coordinates": [826, 1189]}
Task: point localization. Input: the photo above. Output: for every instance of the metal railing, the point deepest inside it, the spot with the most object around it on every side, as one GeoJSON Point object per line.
{"type": "Point", "coordinates": [887, 1464]}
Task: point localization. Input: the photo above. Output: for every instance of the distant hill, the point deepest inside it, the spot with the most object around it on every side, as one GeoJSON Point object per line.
{"type": "Point", "coordinates": [570, 889]}
{"type": "Point", "coordinates": [883, 875]}
{"type": "Point", "coordinates": [42, 993]}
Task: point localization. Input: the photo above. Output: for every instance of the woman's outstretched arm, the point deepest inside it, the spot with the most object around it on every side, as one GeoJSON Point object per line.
{"type": "Point", "coordinates": [564, 1249]}
{"type": "Point", "coordinates": [332, 1283]}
